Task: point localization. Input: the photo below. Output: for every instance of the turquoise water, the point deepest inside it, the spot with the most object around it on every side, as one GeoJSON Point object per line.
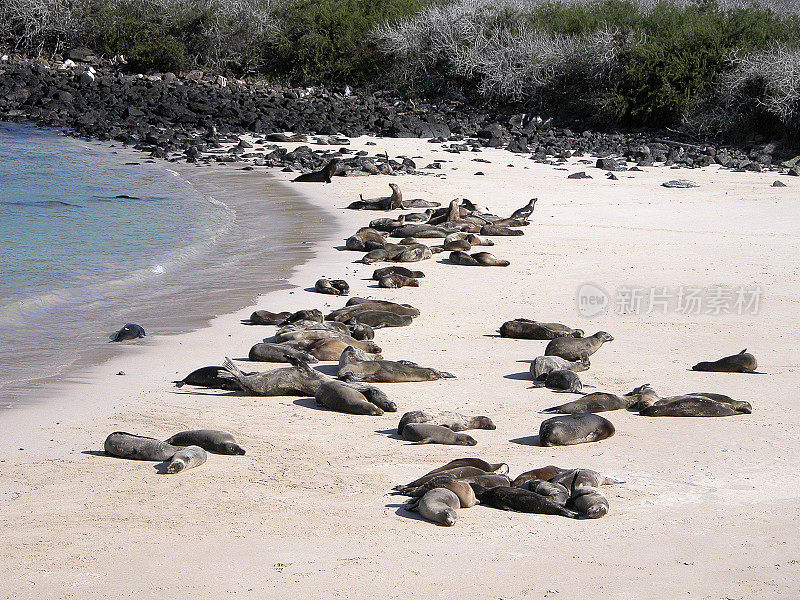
{"type": "Point", "coordinates": [93, 236]}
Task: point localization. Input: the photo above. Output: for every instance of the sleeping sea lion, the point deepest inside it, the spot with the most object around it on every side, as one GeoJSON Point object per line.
{"type": "Point", "coordinates": [438, 505]}
{"type": "Point", "coordinates": [554, 491]}
{"type": "Point", "coordinates": [365, 240]}
{"type": "Point", "coordinates": [386, 371]}
{"type": "Point", "coordinates": [335, 287]}
{"type": "Point", "coordinates": [464, 491]}
{"type": "Point", "coordinates": [187, 458]}
{"type": "Point", "coordinates": [218, 378]}
{"type": "Point", "coordinates": [449, 419]}
{"type": "Point", "coordinates": [267, 352]}
{"type": "Point", "coordinates": [564, 380]}
{"type": "Point", "coordinates": [542, 365]}
{"type": "Point", "coordinates": [426, 433]}
{"type": "Point", "coordinates": [744, 362]}
{"type": "Point", "coordinates": [397, 281]}
{"type": "Point", "coordinates": [526, 329]}
{"type": "Point", "coordinates": [520, 500]}
{"type": "Point", "coordinates": [264, 317]}
{"type": "Point", "coordinates": [212, 440]}
{"type": "Point", "coordinates": [593, 403]}
{"type": "Point", "coordinates": [378, 274]}
{"type": "Point", "coordinates": [544, 473]}
{"type": "Point", "coordinates": [343, 398]}
{"type": "Point", "coordinates": [137, 447]}
{"type": "Point", "coordinates": [574, 429]}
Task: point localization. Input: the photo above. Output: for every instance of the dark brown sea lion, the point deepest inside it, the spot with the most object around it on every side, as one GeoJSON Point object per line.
{"type": "Point", "coordinates": [365, 239]}
{"type": "Point", "coordinates": [644, 396]}
{"type": "Point", "coordinates": [574, 429]}
{"type": "Point", "coordinates": [544, 473]}
{"type": "Point", "coordinates": [511, 498]}
{"type": "Point", "coordinates": [335, 287]}
{"type": "Point", "coordinates": [378, 274]}
{"type": "Point", "coordinates": [456, 473]}
{"type": "Point", "coordinates": [426, 433]}
{"type": "Point", "coordinates": [542, 365]}
{"type": "Point", "coordinates": [689, 406]}
{"type": "Point", "coordinates": [499, 230]}
{"type": "Point", "coordinates": [212, 440]}
{"type": "Point", "coordinates": [526, 329]}
{"type": "Point", "coordinates": [187, 458]}
{"type": "Point", "coordinates": [131, 331]}
{"type": "Point", "coordinates": [381, 318]}
{"type": "Point", "coordinates": [592, 403]}
{"type": "Point", "coordinates": [564, 380]}
{"type": "Point", "coordinates": [264, 317]}
{"type": "Point", "coordinates": [211, 377]}
{"type": "Point", "coordinates": [343, 398]}
{"type": "Point", "coordinates": [323, 175]}
{"type": "Point", "coordinates": [387, 371]}
{"type": "Point", "coordinates": [384, 203]}
{"type": "Point", "coordinates": [571, 348]}
{"type": "Point", "coordinates": [397, 281]}
{"type": "Point", "coordinates": [438, 505]}
{"type": "Point", "coordinates": [477, 259]}
{"type": "Point", "coordinates": [137, 447]}
{"type": "Point", "coordinates": [446, 418]}
{"type": "Point", "coordinates": [308, 314]}
{"type": "Point", "coordinates": [267, 352]}
{"type": "Point", "coordinates": [525, 211]}
{"type": "Point", "coordinates": [298, 380]}
{"type": "Point", "coordinates": [744, 362]}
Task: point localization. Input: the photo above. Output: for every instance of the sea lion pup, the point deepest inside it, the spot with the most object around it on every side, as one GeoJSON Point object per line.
{"type": "Point", "coordinates": [335, 287]}
{"type": "Point", "coordinates": [592, 403]}
{"type": "Point", "coordinates": [544, 473]}
{"type": "Point", "coordinates": [471, 462]}
{"type": "Point", "coordinates": [264, 317]}
{"type": "Point", "coordinates": [384, 203]}
{"type": "Point", "coordinates": [343, 398]}
{"type": "Point", "coordinates": [571, 348]}
{"type": "Point", "coordinates": [438, 505]}
{"type": "Point", "coordinates": [445, 418]}
{"type": "Point", "coordinates": [365, 239]}
{"type": "Point", "coordinates": [351, 368]}
{"type": "Point", "coordinates": [213, 440]}
{"type": "Point", "coordinates": [744, 362]}
{"type": "Point", "coordinates": [689, 406]}
{"type": "Point", "coordinates": [323, 175]}
{"type": "Point", "coordinates": [211, 377]}
{"type": "Point", "coordinates": [397, 281]}
{"type": "Point", "coordinates": [542, 365]}
{"type": "Point", "coordinates": [525, 211]}
{"type": "Point", "coordinates": [381, 318]}
{"type": "Point", "coordinates": [589, 502]}
{"type": "Point", "coordinates": [426, 433]}
{"type": "Point", "coordinates": [267, 352]}
{"type": "Point", "coordinates": [378, 274]}
{"type": "Point", "coordinates": [511, 498]}
{"type": "Point", "coordinates": [575, 478]}
{"type": "Point", "coordinates": [137, 447]}
{"type": "Point", "coordinates": [527, 329]}
{"type": "Point", "coordinates": [490, 229]}
{"type": "Point", "coordinates": [187, 458]}
{"type": "Point", "coordinates": [574, 429]}
{"type": "Point", "coordinates": [555, 491]}
{"type": "Point", "coordinates": [464, 491]}
{"type": "Point", "coordinates": [131, 331]}
{"type": "Point", "coordinates": [564, 380]}
{"type": "Point", "coordinates": [298, 380]}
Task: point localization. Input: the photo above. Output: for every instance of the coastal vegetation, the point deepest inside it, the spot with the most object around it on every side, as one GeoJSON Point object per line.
{"type": "Point", "coordinates": [709, 66]}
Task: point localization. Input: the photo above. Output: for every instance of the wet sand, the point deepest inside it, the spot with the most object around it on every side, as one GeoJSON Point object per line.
{"type": "Point", "coordinates": [707, 507]}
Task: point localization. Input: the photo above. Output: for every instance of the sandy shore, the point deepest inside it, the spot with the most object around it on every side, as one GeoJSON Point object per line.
{"type": "Point", "coordinates": [708, 507]}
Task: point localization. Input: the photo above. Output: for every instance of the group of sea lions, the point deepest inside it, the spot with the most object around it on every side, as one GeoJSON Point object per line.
{"type": "Point", "coordinates": [184, 450]}
{"type": "Point", "coordinates": [465, 482]}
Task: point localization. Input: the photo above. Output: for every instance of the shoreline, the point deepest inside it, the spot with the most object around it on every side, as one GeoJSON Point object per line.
{"type": "Point", "coordinates": [306, 508]}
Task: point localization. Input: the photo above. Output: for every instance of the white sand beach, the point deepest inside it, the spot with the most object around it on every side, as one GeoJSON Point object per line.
{"type": "Point", "coordinates": [708, 507]}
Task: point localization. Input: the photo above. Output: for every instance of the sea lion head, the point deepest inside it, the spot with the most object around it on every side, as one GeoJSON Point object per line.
{"type": "Point", "coordinates": [233, 448]}
{"type": "Point", "coordinates": [484, 423]}
{"type": "Point", "coordinates": [604, 337]}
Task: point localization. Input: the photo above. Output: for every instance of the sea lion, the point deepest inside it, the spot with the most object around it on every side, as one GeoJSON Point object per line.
{"type": "Point", "coordinates": [312, 314]}
{"type": "Point", "coordinates": [298, 380]}
{"type": "Point", "coordinates": [384, 203]}
{"type": "Point", "coordinates": [378, 274]}
{"type": "Point", "coordinates": [211, 377]}
{"type": "Point", "coordinates": [137, 447]}
{"type": "Point", "coordinates": [520, 500]}
{"type": "Point", "coordinates": [571, 348]}
{"type": "Point", "coordinates": [574, 429]}
{"type": "Point", "coordinates": [349, 311]}
{"type": "Point", "coordinates": [264, 317]}
{"type": "Point", "coordinates": [438, 505]}
{"type": "Point", "coordinates": [331, 348]}
{"type": "Point", "coordinates": [388, 223]}
{"type": "Point", "coordinates": [689, 406]}
{"type": "Point", "coordinates": [477, 259]}
{"type": "Point", "coordinates": [456, 244]}
{"type": "Point", "coordinates": [131, 331]}
{"type": "Point", "coordinates": [426, 433]}
{"type": "Point", "coordinates": [375, 304]}
{"type": "Point", "coordinates": [642, 396]}
{"type": "Point", "coordinates": [420, 230]}
{"type": "Point", "coordinates": [526, 329]}
{"type": "Point", "coordinates": [555, 491]}
{"type": "Point", "coordinates": [386, 254]}
{"type": "Point", "coordinates": [565, 380]}
{"type": "Point", "coordinates": [464, 491]}
{"type": "Point", "coordinates": [381, 318]}
{"type": "Point", "coordinates": [387, 371]}
{"type": "Point", "coordinates": [213, 440]}
{"type": "Point", "coordinates": [419, 203]}
{"type": "Point", "coordinates": [455, 472]}
{"type": "Point", "coordinates": [544, 473]}
{"type": "Point", "coordinates": [397, 281]}
{"type": "Point", "coordinates": [592, 403]}
{"type": "Point", "coordinates": [187, 458]}
{"type": "Point", "coordinates": [365, 239]}
{"type": "Point", "coordinates": [446, 418]}
{"type": "Point", "coordinates": [744, 362]}
{"type": "Point", "coordinates": [267, 352]}
{"type": "Point", "coordinates": [323, 175]}
{"type": "Point", "coordinates": [589, 502]}
{"type": "Point", "coordinates": [542, 365]}
{"type": "Point", "coordinates": [343, 398]}
{"type": "Point", "coordinates": [525, 211]}
{"type": "Point", "coordinates": [471, 462]}
{"type": "Point", "coordinates": [335, 287]}
{"type": "Point", "coordinates": [499, 230]}
{"type": "Point", "coordinates": [360, 331]}
{"type": "Point", "coordinates": [414, 253]}
{"type": "Point", "coordinates": [308, 338]}
{"type": "Point", "coordinates": [575, 478]}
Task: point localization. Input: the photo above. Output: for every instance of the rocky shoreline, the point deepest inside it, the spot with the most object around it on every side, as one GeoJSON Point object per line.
{"type": "Point", "coordinates": [192, 116]}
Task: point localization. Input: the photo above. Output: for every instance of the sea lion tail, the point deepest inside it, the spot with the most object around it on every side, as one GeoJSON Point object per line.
{"type": "Point", "coordinates": [228, 365]}
{"type": "Point", "coordinates": [298, 363]}
{"type": "Point", "coordinates": [743, 351]}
